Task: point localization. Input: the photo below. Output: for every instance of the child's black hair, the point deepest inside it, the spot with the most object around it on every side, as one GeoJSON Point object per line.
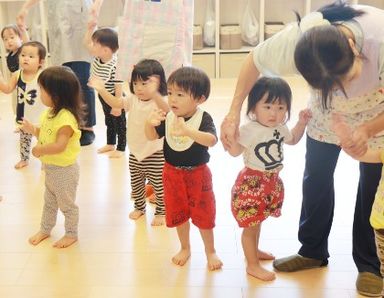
{"type": "Point", "coordinates": [63, 86]}
{"type": "Point", "coordinates": [145, 69]}
{"type": "Point", "coordinates": [41, 50]}
{"type": "Point", "coordinates": [106, 37]}
{"type": "Point", "coordinates": [192, 80]}
{"type": "Point", "coordinates": [12, 27]}
{"type": "Point", "coordinates": [276, 90]}
{"type": "Point", "coordinates": [323, 54]}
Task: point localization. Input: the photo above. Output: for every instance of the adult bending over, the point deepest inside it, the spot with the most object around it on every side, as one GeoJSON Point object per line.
{"type": "Point", "coordinates": [339, 51]}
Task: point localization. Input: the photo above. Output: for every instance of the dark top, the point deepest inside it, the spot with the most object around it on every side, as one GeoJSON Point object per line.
{"type": "Point", "coordinates": [13, 61]}
{"type": "Point", "coordinates": [196, 154]}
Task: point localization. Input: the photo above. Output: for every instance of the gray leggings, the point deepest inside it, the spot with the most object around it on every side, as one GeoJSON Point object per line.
{"type": "Point", "coordinates": [25, 145]}
{"type": "Point", "coordinates": [60, 192]}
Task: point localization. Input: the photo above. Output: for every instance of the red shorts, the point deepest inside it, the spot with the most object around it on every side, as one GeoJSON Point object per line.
{"type": "Point", "coordinates": [255, 196]}
{"type": "Point", "coordinates": [188, 194]}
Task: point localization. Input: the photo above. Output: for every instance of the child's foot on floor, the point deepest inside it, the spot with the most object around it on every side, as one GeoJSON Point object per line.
{"type": "Point", "coordinates": [214, 263]}
{"type": "Point", "coordinates": [265, 255]}
{"type": "Point", "coordinates": [135, 214]}
{"type": "Point", "coordinates": [64, 242]}
{"type": "Point", "coordinates": [158, 220]}
{"type": "Point", "coordinates": [181, 257]}
{"type": "Point", "coordinates": [37, 238]}
{"type": "Point", "coordinates": [105, 148]}
{"type": "Point", "coordinates": [116, 154]}
{"type": "Point", "coordinates": [260, 273]}
{"type": "Point", "coordinates": [21, 164]}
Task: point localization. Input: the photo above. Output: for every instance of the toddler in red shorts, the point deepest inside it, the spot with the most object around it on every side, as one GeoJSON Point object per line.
{"type": "Point", "coordinates": [188, 132]}
{"type": "Point", "coordinates": [258, 191]}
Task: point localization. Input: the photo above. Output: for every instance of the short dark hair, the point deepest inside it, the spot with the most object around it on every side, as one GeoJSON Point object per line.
{"type": "Point", "coordinates": [61, 83]}
{"type": "Point", "coordinates": [276, 89]}
{"type": "Point", "coordinates": [41, 50]}
{"type": "Point", "coordinates": [323, 55]}
{"type": "Point", "coordinates": [145, 69]}
{"type": "Point", "coordinates": [192, 80]}
{"type": "Point", "coordinates": [106, 37]}
{"type": "Point", "coordinates": [12, 27]}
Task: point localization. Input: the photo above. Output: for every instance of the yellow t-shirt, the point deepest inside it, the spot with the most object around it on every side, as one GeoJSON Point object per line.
{"type": "Point", "coordinates": [377, 213]}
{"type": "Point", "coordinates": [48, 133]}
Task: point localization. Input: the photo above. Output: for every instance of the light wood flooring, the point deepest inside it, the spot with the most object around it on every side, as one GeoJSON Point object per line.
{"type": "Point", "coordinates": [117, 257]}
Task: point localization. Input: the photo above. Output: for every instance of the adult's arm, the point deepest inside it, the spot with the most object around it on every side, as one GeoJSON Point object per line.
{"type": "Point", "coordinates": [23, 12]}
{"type": "Point", "coordinates": [364, 132]}
{"type": "Point", "coordinates": [247, 78]}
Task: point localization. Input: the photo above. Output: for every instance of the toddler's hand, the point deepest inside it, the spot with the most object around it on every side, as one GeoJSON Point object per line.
{"type": "Point", "coordinates": [179, 128]}
{"type": "Point", "coordinates": [96, 83]}
{"type": "Point", "coordinates": [36, 151]}
{"type": "Point", "coordinates": [155, 117]}
{"type": "Point", "coordinates": [342, 130]}
{"type": "Point", "coordinates": [304, 116]}
{"type": "Point", "coordinates": [27, 126]}
{"type": "Point", "coordinates": [116, 112]}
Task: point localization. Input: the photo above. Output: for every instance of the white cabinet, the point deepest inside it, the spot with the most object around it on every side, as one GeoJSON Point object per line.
{"type": "Point", "coordinates": [229, 12]}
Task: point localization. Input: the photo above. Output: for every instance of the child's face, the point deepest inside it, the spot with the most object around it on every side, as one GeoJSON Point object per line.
{"type": "Point", "coordinates": [181, 102]}
{"type": "Point", "coordinates": [101, 51]}
{"type": "Point", "coordinates": [145, 90]}
{"type": "Point", "coordinates": [46, 99]}
{"type": "Point", "coordinates": [29, 58]}
{"type": "Point", "coordinates": [12, 41]}
{"type": "Point", "coordinates": [270, 114]}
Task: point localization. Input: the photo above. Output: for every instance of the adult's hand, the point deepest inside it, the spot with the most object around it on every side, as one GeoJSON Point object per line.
{"type": "Point", "coordinates": [360, 139]}
{"type": "Point", "coordinates": [229, 130]}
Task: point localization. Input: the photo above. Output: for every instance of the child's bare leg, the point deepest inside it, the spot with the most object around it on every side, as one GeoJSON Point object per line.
{"type": "Point", "coordinates": [213, 260]}
{"type": "Point", "coordinates": [21, 164]}
{"type": "Point", "coordinates": [135, 214]}
{"type": "Point", "coordinates": [158, 220]}
{"type": "Point", "coordinates": [185, 251]}
{"type": "Point", "coordinates": [64, 242]}
{"type": "Point", "coordinates": [37, 238]}
{"type": "Point", "coordinates": [106, 148]}
{"type": "Point", "coordinates": [250, 242]}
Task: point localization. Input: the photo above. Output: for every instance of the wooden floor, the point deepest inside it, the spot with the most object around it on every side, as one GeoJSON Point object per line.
{"type": "Point", "coordinates": [117, 257]}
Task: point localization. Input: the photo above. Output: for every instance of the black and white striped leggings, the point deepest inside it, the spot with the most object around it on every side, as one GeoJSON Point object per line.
{"type": "Point", "coordinates": [150, 168]}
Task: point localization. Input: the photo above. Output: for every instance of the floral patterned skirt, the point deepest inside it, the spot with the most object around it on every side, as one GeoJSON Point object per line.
{"type": "Point", "coordinates": [255, 196]}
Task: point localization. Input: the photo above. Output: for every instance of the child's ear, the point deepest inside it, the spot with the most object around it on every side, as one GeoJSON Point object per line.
{"type": "Point", "coordinates": [353, 47]}
{"type": "Point", "coordinates": [202, 99]}
{"type": "Point", "coordinates": [42, 61]}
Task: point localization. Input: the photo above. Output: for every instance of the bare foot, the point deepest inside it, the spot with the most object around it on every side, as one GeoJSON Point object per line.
{"type": "Point", "coordinates": [260, 273]}
{"type": "Point", "coordinates": [37, 238]}
{"type": "Point", "coordinates": [135, 214]}
{"type": "Point", "coordinates": [21, 164]}
{"type": "Point", "coordinates": [106, 148]}
{"type": "Point", "coordinates": [214, 263]}
{"type": "Point", "coordinates": [159, 220]}
{"type": "Point", "coordinates": [265, 255]}
{"type": "Point", "coordinates": [116, 154]}
{"type": "Point", "coordinates": [181, 257]}
{"type": "Point", "coordinates": [64, 242]}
